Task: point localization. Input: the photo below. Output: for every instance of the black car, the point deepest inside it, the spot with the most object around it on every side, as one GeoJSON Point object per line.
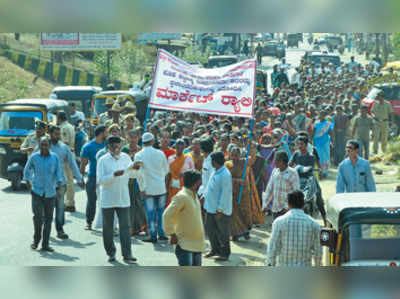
{"type": "Point", "coordinates": [274, 49]}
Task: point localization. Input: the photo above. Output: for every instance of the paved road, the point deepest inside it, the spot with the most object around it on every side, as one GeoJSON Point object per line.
{"type": "Point", "coordinates": [84, 248]}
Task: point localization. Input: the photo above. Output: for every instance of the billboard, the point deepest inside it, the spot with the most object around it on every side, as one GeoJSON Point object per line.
{"type": "Point", "coordinates": [80, 41]}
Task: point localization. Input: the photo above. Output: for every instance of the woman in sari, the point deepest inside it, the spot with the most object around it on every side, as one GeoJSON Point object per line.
{"type": "Point", "coordinates": [243, 213]}
{"type": "Point", "coordinates": [322, 140]}
{"type": "Point", "coordinates": [178, 164]}
{"type": "Point", "coordinates": [137, 212]}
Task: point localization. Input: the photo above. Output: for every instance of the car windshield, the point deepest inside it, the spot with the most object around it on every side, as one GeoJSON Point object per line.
{"type": "Point", "coordinates": [374, 241]}
{"type": "Point", "coordinates": [18, 123]}
{"type": "Point", "coordinates": [318, 59]}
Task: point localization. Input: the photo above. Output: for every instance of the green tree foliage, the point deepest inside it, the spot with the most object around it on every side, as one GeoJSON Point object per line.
{"type": "Point", "coordinates": [396, 45]}
{"type": "Point", "coordinates": [193, 54]}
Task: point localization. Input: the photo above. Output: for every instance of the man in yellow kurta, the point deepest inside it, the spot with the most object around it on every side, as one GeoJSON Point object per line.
{"type": "Point", "coordinates": [183, 222]}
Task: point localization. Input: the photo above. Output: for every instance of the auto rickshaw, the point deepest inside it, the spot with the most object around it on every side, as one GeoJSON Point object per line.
{"type": "Point", "coordinates": [138, 98]}
{"type": "Point", "coordinates": [366, 229]}
{"type": "Point", "coordinates": [17, 120]}
{"type": "Point", "coordinates": [80, 95]}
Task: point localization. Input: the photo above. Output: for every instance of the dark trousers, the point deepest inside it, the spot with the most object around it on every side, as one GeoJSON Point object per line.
{"type": "Point", "coordinates": [91, 199]}
{"type": "Point", "coordinates": [124, 233]}
{"type": "Point", "coordinates": [59, 204]}
{"type": "Point", "coordinates": [320, 201]}
{"type": "Point", "coordinates": [218, 232]}
{"type": "Point", "coordinates": [187, 258]}
{"type": "Point", "coordinates": [43, 210]}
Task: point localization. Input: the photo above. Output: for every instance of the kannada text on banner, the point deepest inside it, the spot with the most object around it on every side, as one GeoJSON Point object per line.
{"type": "Point", "coordinates": [226, 90]}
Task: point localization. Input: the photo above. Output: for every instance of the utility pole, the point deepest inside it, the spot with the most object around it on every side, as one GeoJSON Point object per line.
{"type": "Point", "coordinates": [108, 65]}
{"type": "Point", "coordinates": [385, 48]}
{"type": "Point", "coordinates": [377, 48]}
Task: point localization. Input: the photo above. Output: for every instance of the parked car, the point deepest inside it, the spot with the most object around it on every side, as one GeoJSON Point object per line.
{"type": "Point", "coordinates": [274, 48]}
{"type": "Point", "coordinates": [293, 40]}
{"type": "Point", "coordinates": [365, 229]}
{"type": "Point", "coordinates": [17, 120]}
{"type": "Point", "coordinates": [391, 93]}
{"type": "Point", "coordinates": [318, 58]}
{"type": "Point", "coordinates": [221, 60]}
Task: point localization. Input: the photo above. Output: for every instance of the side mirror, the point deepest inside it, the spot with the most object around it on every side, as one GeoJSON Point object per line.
{"type": "Point", "coordinates": [328, 237]}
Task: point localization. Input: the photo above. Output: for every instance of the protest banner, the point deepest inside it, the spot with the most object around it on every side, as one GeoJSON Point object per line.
{"type": "Point", "coordinates": [227, 90]}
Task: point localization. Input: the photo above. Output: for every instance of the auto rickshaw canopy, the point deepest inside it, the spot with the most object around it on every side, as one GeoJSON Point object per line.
{"type": "Point", "coordinates": [344, 209]}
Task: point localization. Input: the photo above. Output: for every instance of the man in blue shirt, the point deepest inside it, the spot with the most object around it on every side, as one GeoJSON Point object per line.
{"type": "Point", "coordinates": [88, 155]}
{"type": "Point", "coordinates": [43, 174]}
{"type": "Point", "coordinates": [218, 205]}
{"type": "Point", "coordinates": [354, 173]}
{"type": "Point", "coordinates": [65, 157]}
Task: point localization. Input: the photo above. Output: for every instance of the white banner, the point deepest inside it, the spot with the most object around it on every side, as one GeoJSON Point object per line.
{"type": "Point", "coordinates": [179, 86]}
{"type": "Point", "coordinates": [80, 41]}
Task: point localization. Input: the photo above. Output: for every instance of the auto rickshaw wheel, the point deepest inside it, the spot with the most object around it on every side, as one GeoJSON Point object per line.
{"type": "Point", "coordinates": [16, 182]}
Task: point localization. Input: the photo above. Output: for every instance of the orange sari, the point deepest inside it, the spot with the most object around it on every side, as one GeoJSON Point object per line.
{"type": "Point", "coordinates": [175, 170]}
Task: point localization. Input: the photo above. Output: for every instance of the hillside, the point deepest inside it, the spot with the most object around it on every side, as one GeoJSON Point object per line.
{"type": "Point", "coordinates": [15, 83]}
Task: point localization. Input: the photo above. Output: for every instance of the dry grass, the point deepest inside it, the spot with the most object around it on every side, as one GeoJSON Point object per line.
{"type": "Point", "coordinates": [15, 83]}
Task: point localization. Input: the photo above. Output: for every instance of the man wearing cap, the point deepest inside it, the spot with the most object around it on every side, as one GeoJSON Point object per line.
{"type": "Point", "coordinates": [381, 113]}
{"type": "Point", "coordinates": [32, 140]}
{"type": "Point", "coordinates": [103, 117]}
{"type": "Point", "coordinates": [68, 138]}
{"type": "Point", "coordinates": [155, 169]}
{"type": "Point", "coordinates": [115, 115]}
{"type": "Point", "coordinates": [341, 123]}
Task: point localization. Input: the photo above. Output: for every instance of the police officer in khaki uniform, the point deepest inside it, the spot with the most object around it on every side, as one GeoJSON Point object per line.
{"type": "Point", "coordinates": [32, 140]}
{"type": "Point", "coordinates": [130, 109]}
{"type": "Point", "coordinates": [381, 113]}
{"type": "Point", "coordinates": [68, 137]}
{"type": "Point", "coordinates": [103, 117]}
{"type": "Point", "coordinates": [116, 115]}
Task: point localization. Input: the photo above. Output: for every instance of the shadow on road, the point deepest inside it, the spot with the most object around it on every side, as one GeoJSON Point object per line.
{"type": "Point", "coordinates": [58, 256]}
{"type": "Point", "coordinates": [71, 243]}
{"type": "Point", "coordinates": [8, 189]}
{"type": "Point", "coordinates": [77, 214]}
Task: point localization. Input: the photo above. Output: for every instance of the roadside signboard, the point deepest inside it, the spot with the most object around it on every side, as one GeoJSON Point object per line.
{"type": "Point", "coordinates": [80, 41]}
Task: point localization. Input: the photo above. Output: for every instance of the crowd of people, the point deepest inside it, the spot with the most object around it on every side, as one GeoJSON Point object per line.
{"type": "Point", "coordinates": [190, 175]}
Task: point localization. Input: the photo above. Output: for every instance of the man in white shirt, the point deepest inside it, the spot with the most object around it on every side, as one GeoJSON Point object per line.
{"type": "Point", "coordinates": [284, 180]}
{"type": "Point", "coordinates": [206, 147]}
{"type": "Point", "coordinates": [152, 187]}
{"type": "Point", "coordinates": [113, 172]}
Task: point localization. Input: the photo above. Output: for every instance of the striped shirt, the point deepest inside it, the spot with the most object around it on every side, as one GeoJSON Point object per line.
{"type": "Point", "coordinates": [295, 239]}
{"type": "Point", "coordinates": [279, 186]}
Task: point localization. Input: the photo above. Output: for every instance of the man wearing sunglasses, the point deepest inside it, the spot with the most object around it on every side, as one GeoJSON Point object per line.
{"type": "Point", "coordinates": [354, 173]}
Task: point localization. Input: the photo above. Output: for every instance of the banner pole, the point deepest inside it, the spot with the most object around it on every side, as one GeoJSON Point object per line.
{"type": "Point", "coordinates": [250, 135]}
{"type": "Point", "coordinates": [151, 95]}
{"type": "Point", "coordinates": [247, 159]}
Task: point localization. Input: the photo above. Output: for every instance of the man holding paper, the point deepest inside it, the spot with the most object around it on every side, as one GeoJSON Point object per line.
{"type": "Point", "coordinates": [113, 172]}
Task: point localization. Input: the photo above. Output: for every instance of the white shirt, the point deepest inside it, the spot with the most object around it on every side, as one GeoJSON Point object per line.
{"type": "Point", "coordinates": [114, 191]}
{"type": "Point", "coordinates": [206, 173]}
{"type": "Point", "coordinates": [155, 168]}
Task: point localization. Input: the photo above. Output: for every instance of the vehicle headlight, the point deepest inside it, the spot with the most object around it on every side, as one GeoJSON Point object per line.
{"type": "Point", "coordinates": [2, 150]}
